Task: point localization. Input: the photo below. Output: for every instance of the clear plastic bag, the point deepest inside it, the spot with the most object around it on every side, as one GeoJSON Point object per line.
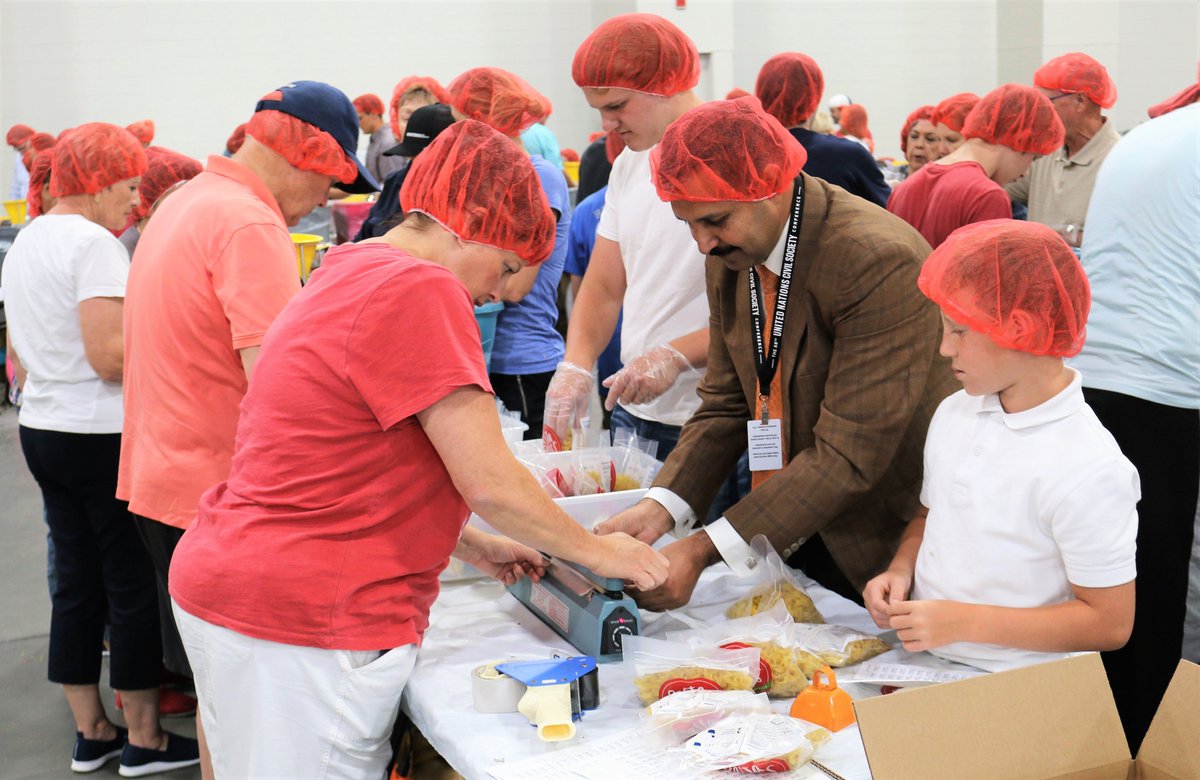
{"type": "Point", "coordinates": [680, 715]}
{"type": "Point", "coordinates": [774, 582]}
{"type": "Point", "coordinates": [661, 667]}
{"type": "Point", "coordinates": [837, 646]}
{"type": "Point", "coordinates": [635, 460]}
{"type": "Point", "coordinates": [752, 744]}
{"type": "Point", "coordinates": [780, 671]}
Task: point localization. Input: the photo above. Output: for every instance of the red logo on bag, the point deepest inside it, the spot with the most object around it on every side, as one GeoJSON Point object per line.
{"type": "Point", "coordinates": [765, 676]}
{"type": "Point", "coordinates": [677, 684]}
{"type": "Point", "coordinates": [767, 766]}
{"type": "Point", "coordinates": [550, 440]}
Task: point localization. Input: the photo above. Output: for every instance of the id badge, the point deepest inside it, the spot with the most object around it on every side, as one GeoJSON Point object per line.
{"type": "Point", "coordinates": [765, 444]}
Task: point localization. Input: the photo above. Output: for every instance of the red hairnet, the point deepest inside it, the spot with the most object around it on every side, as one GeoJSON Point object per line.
{"type": "Point", "coordinates": [482, 187]}
{"type": "Point", "coordinates": [853, 120]}
{"type": "Point", "coordinates": [142, 130]}
{"type": "Point", "coordinates": [736, 93]}
{"type": "Point", "coordinates": [236, 138]}
{"type": "Point", "coordinates": [1185, 98]}
{"type": "Point", "coordinates": [1077, 72]}
{"type": "Point", "coordinates": [569, 154]}
{"type": "Point", "coordinates": [405, 88]}
{"type": "Point", "coordinates": [369, 104]}
{"type": "Point", "coordinates": [546, 106]}
{"type": "Point", "coordinates": [952, 111]}
{"type": "Point", "coordinates": [18, 134]}
{"type": "Point", "coordinates": [38, 142]}
{"type": "Point", "coordinates": [163, 168]}
{"type": "Point", "coordinates": [39, 175]}
{"type": "Point", "coordinates": [499, 99]}
{"type": "Point", "coordinates": [924, 112]}
{"type": "Point", "coordinates": [614, 144]}
{"type": "Point", "coordinates": [1018, 117]}
{"type": "Point", "coordinates": [304, 146]}
{"type": "Point", "coordinates": [790, 86]}
{"type": "Point", "coordinates": [725, 150]}
{"type": "Point", "coordinates": [1016, 282]}
{"type": "Point", "coordinates": [94, 156]}
{"type": "Point", "coordinates": [641, 52]}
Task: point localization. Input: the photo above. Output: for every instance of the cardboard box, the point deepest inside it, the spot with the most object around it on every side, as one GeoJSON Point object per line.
{"type": "Point", "coordinates": [1055, 721]}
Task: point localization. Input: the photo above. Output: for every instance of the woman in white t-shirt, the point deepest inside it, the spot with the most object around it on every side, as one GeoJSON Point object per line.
{"type": "Point", "coordinates": [64, 282]}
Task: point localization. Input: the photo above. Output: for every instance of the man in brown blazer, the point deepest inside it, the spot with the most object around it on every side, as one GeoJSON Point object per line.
{"type": "Point", "coordinates": [858, 372]}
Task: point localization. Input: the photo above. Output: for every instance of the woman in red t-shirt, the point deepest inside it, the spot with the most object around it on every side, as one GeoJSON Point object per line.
{"type": "Point", "coordinates": [368, 435]}
{"type": "Point", "coordinates": [1005, 131]}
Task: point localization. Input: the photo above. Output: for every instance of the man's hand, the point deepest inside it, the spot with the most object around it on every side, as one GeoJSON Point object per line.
{"type": "Point", "coordinates": [646, 377]}
{"type": "Point", "coordinates": [887, 589]}
{"type": "Point", "coordinates": [647, 521]}
{"type": "Point", "coordinates": [499, 557]}
{"type": "Point", "coordinates": [689, 558]}
{"type": "Point", "coordinates": [924, 625]}
{"type": "Point", "coordinates": [567, 400]}
{"type": "Point", "coordinates": [620, 556]}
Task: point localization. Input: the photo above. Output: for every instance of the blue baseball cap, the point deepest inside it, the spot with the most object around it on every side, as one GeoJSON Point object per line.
{"type": "Point", "coordinates": [326, 108]}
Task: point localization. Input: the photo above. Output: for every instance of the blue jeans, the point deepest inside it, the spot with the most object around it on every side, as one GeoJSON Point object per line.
{"type": "Point", "coordinates": [733, 490]}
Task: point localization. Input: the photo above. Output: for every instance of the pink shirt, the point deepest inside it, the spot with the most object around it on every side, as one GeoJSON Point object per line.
{"type": "Point", "coordinates": [939, 199]}
{"type": "Point", "coordinates": [214, 268]}
{"type": "Point", "coordinates": [339, 514]}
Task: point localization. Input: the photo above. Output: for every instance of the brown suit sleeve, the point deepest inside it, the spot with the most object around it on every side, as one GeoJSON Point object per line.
{"type": "Point", "coordinates": [883, 339]}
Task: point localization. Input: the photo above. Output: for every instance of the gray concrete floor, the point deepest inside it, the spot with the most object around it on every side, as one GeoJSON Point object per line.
{"type": "Point", "coordinates": [36, 730]}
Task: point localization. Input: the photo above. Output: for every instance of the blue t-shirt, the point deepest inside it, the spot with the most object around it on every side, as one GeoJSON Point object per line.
{"type": "Point", "coordinates": [526, 341]}
{"type": "Point", "coordinates": [844, 163]}
{"type": "Point", "coordinates": [579, 253]}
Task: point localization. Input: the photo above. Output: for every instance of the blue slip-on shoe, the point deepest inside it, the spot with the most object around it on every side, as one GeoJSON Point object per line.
{"type": "Point", "coordinates": [91, 754]}
{"type": "Point", "coordinates": [179, 752]}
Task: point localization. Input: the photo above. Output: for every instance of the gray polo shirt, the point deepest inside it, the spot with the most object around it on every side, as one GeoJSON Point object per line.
{"type": "Point", "coordinates": [380, 166]}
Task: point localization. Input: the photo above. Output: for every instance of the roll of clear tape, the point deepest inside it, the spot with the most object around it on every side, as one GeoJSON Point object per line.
{"type": "Point", "coordinates": [493, 691]}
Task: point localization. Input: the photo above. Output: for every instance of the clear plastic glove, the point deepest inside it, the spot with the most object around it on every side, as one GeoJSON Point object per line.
{"type": "Point", "coordinates": [567, 400]}
{"type": "Point", "coordinates": [646, 377]}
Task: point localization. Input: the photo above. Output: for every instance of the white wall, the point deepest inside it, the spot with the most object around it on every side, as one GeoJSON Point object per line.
{"type": "Point", "coordinates": [197, 66]}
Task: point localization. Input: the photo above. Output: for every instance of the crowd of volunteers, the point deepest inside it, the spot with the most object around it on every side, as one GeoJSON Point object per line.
{"type": "Point", "coordinates": [968, 400]}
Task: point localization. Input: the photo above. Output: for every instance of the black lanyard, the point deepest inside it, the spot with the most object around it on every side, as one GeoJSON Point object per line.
{"type": "Point", "coordinates": [767, 366]}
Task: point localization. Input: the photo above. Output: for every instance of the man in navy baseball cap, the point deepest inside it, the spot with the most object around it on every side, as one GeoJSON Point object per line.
{"type": "Point", "coordinates": [328, 109]}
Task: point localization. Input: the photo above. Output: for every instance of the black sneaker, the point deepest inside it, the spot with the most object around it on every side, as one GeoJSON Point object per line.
{"type": "Point", "coordinates": [91, 754]}
{"type": "Point", "coordinates": [179, 752]}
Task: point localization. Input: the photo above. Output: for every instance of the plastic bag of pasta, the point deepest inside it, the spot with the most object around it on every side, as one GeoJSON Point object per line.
{"type": "Point", "coordinates": [661, 667]}
{"type": "Point", "coordinates": [672, 719]}
{"type": "Point", "coordinates": [774, 582]}
{"type": "Point", "coordinates": [780, 672]}
{"type": "Point", "coordinates": [635, 459]}
{"type": "Point", "coordinates": [834, 645]}
{"type": "Point", "coordinates": [752, 744]}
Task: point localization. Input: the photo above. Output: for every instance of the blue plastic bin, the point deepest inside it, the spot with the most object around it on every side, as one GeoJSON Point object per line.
{"type": "Point", "coordinates": [486, 316]}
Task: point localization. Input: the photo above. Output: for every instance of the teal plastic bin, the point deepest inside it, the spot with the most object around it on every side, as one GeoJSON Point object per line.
{"type": "Point", "coordinates": [486, 316]}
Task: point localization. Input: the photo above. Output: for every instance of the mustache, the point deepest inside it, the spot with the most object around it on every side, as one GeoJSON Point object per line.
{"type": "Point", "coordinates": [722, 250]}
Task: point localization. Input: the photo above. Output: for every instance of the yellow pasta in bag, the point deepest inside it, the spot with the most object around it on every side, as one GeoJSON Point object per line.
{"type": "Point", "coordinates": [663, 667]}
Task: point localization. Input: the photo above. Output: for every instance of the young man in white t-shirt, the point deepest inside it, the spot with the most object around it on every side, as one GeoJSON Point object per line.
{"type": "Point", "coordinates": [644, 258]}
{"type": "Point", "coordinates": [1026, 552]}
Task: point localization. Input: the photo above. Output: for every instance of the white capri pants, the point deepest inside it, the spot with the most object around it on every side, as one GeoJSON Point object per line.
{"type": "Point", "coordinates": [273, 710]}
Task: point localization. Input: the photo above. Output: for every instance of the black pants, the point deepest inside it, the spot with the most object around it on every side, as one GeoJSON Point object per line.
{"type": "Point", "coordinates": [524, 393]}
{"type": "Point", "coordinates": [160, 540]}
{"type": "Point", "coordinates": [1163, 443]}
{"type": "Point", "coordinates": [102, 568]}
{"type": "Point", "coordinates": [813, 558]}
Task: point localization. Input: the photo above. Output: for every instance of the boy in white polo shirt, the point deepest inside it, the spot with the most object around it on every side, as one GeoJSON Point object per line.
{"type": "Point", "coordinates": [1026, 552]}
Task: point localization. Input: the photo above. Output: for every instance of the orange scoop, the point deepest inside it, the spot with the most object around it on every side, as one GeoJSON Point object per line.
{"type": "Point", "coordinates": [823, 703]}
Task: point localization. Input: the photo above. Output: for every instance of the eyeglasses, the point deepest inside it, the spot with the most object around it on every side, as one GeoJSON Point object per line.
{"type": "Point", "coordinates": [1063, 95]}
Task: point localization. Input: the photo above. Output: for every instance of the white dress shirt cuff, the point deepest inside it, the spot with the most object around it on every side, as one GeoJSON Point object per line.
{"type": "Point", "coordinates": [733, 548]}
{"type": "Point", "coordinates": [680, 511]}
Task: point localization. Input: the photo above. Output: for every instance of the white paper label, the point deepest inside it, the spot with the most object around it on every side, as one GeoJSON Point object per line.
{"type": "Point", "coordinates": [550, 605]}
{"type": "Point", "coordinates": [765, 443]}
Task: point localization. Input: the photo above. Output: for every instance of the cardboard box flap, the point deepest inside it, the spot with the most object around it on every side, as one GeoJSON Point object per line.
{"type": "Point", "coordinates": [1049, 720]}
{"type": "Point", "coordinates": [1172, 745]}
